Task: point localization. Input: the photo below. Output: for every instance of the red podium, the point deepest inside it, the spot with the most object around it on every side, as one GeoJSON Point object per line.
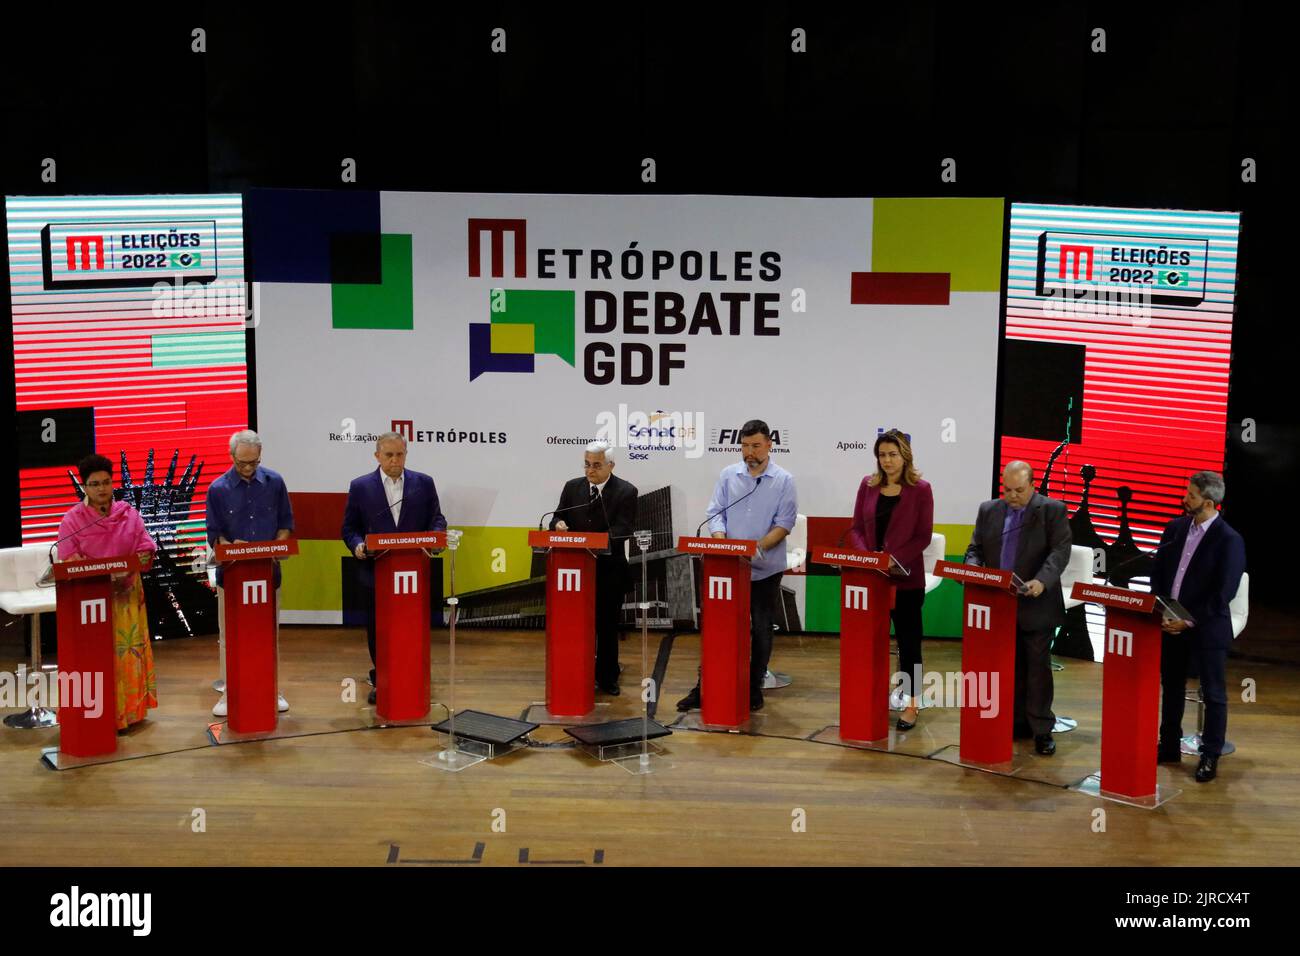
{"type": "Point", "coordinates": [1130, 692]}
{"type": "Point", "coordinates": [724, 627]}
{"type": "Point", "coordinates": [249, 585]}
{"type": "Point", "coordinates": [866, 596]}
{"type": "Point", "coordinates": [570, 618]}
{"type": "Point", "coordinates": [84, 600]}
{"type": "Point", "coordinates": [988, 661]}
{"type": "Point", "coordinates": [402, 621]}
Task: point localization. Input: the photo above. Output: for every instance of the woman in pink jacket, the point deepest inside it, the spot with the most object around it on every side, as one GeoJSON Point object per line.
{"type": "Point", "coordinates": [895, 513]}
{"type": "Point", "coordinates": [100, 527]}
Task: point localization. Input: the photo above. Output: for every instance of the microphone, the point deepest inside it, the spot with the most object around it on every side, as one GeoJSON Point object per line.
{"type": "Point", "coordinates": [560, 511]}
{"type": "Point", "coordinates": [1025, 526]}
{"type": "Point", "coordinates": [757, 481]}
{"type": "Point", "coordinates": [1110, 572]}
{"type": "Point", "coordinates": [868, 520]}
{"type": "Point", "coordinates": [371, 518]}
{"type": "Point", "coordinates": [46, 575]}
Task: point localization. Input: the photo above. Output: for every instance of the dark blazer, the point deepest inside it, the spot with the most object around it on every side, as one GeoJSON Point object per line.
{"type": "Point", "coordinates": [909, 531]}
{"type": "Point", "coordinates": [367, 512]}
{"type": "Point", "coordinates": [1212, 577]}
{"type": "Point", "coordinates": [1043, 553]}
{"type": "Point", "coordinates": [619, 499]}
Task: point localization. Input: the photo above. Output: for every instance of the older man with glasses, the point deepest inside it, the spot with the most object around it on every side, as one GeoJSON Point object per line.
{"type": "Point", "coordinates": [247, 503]}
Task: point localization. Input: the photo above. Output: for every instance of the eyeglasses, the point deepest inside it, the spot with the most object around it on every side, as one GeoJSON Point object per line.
{"type": "Point", "coordinates": [247, 464]}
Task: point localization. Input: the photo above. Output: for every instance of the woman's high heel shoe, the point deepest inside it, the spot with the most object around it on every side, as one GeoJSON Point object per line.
{"type": "Point", "coordinates": [907, 724]}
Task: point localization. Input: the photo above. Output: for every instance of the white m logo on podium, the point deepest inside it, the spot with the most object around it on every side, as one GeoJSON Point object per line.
{"type": "Point", "coordinates": [720, 588]}
{"type": "Point", "coordinates": [979, 616]}
{"type": "Point", "coordinates": [855, 597]}
{"type": "Point", "coordinates": [254, 592]}
{"type": "Point", "coordinates": [94, 612]}
{"type": "Point", "coordinates": [570, 579]}
{"type": "Point", "coordinates": [1119, 642]}
{"type": "Point", "coordinates": [406, 582]}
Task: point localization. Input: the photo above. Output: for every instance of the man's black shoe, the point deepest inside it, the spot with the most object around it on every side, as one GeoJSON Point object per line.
{"type": "Point", "coordinates": [611, 689]}
{"type": "Point", "coordinates": [371, 698]}
{"type": "Point", "coordinates": [1207, 769]}
{"type": "Point", "coordinates": [371, 679]}
{"type": "Point", "coordinates": [1169, 756]}
{"type": "Point", "coordinates": [755, 700]}
{"type": "Point", "coordinates": [1044, 744]}
{"type": "Point", "coordinates": [691, 701]}
{"type": "Point", "coordinates": [1021, 732]}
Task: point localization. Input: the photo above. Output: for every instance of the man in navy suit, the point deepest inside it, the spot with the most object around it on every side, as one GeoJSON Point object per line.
{"type": "Point", "coordinates": [390, 498]}
{"type": "Point", "coordinates": [1199, 563]}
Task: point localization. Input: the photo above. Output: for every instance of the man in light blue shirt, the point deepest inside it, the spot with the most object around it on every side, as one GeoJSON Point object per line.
{"type": "Point", "coordinates": [754, 500]}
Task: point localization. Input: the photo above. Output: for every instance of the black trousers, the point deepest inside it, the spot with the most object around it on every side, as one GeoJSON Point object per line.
{"type": "Point", "coordinates": [906, 615]}
{"type": "Point", "coordinates": [368, 593]}
{"type": "Point", "coordinates": [1034, 688]}
{"type": "Point", "coordinates": [611, 587]}
{"type": "Point", "coordinates": [1177, 653]}
{"type": "Point", "coordinates": [762, 616]}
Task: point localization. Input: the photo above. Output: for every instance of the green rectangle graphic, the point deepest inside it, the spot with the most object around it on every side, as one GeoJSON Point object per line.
{"type": "Point", "coordinates": [195, 349]}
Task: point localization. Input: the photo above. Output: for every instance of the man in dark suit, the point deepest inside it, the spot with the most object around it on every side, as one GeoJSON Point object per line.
{"type": "Point", "coordinates": [602, 501]}
{"type": "Point", "coordinates": [1028, 533]}
{"type": "Point", "coordinates": [390, 498]}
{"type": "Point", "coordinates": [1199, 563]}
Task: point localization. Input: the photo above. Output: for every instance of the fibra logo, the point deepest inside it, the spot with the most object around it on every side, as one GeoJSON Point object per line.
{"type": "Point", "coordinates": [522, 323]}
{"type": "Point", "coordinates": [728, 440]}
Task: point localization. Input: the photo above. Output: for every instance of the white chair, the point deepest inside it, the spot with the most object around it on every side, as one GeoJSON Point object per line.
{"type": "Point", "coordinates": [934, 552]}
{"type": "Point", "coordinates": [1239, 606]}
{"type": "Point", "coordinates": [1079, 569]}
{"type": "Point", "coordinates": [796, 552]}
{"type": "Point", "coordinates": [20, 569]}
{"type": "Point", "coordinates": [1239, 609]}
{"type": "Point", "coordinates": [796, 544]}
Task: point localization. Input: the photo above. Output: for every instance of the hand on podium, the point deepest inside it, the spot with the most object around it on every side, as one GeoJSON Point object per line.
{"type": "Point", "coordinates": [1034, 587]}
{"type": "Point", "coordinates": [561, 526]}
{"type": "Point", "coordinates": [360, 551]}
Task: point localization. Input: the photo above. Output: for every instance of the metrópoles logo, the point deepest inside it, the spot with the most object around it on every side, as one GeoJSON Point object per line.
{"type": "Point", "coordinates": [525, 323]}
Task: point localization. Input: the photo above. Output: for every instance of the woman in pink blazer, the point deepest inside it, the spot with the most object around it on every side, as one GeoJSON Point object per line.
{"type": "Point", "coordinates": [895, 513]}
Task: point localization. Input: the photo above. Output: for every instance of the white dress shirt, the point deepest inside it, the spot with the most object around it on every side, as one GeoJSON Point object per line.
{"type": "Point", "coordinates": [393, 490]}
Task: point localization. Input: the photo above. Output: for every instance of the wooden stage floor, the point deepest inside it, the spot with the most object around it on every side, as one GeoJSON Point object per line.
{"type": "Point", "coordinates": [341, 794]}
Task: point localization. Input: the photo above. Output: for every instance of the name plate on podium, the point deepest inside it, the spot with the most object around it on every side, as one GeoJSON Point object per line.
{"type": "Point", "coordinates": [586, 540]}
{"type": "Point", "coordinates": [979, 575]}
{"type": "Point", "coordinates": [1120, 598]}
{"type": "Point", "coordinates": [851, 558]}
{"type": "Point", "coordinates": [406, 541]}
{"type": "Point", "coordinates": [93, 567]}
{"type": "Point", "coordinates": [717, 547]}
{"type": "Point", "coordinates": [257, 550]}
